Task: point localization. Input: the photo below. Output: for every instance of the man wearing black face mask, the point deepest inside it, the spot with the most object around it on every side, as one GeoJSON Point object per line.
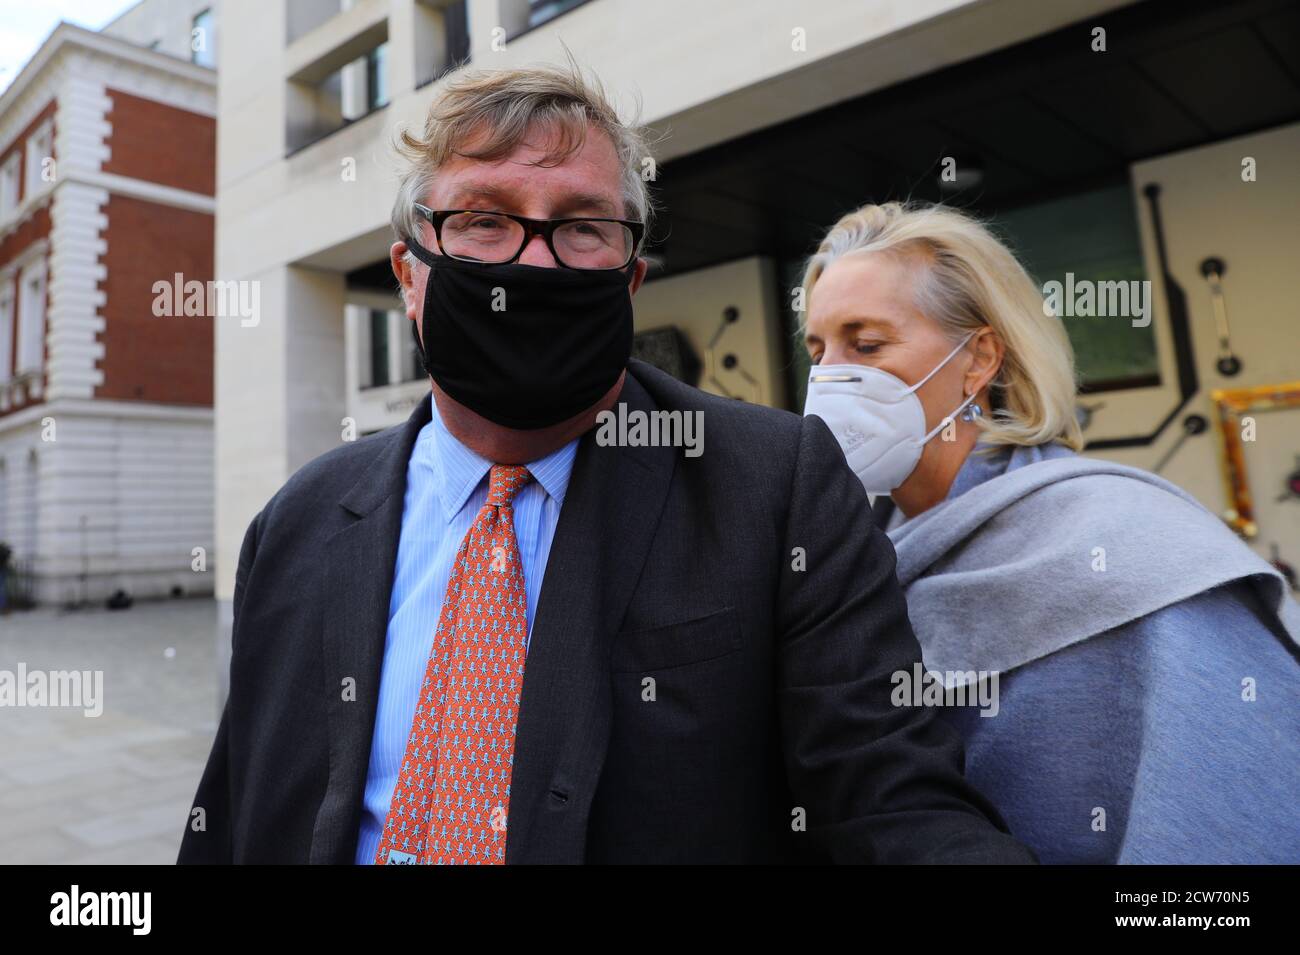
{"type": "Point", "coordinates": [551, 650]}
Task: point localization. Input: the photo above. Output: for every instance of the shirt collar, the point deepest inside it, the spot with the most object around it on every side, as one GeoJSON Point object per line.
{"type": "Point", "coordinates": [457, 471]}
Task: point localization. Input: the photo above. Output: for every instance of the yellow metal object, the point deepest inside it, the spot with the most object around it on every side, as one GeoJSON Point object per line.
{"type": "Point", "coordinates": [1230, 406]}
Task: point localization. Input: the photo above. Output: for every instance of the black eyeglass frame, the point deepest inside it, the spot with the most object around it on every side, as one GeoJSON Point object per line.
{"type": "Point", "coordinates": [543, 227]}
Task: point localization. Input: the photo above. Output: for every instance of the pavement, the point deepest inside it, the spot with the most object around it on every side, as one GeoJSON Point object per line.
{"type": "Point", "coordinates": [114, 788]}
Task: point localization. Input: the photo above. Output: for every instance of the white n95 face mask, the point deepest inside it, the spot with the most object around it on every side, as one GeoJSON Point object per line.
{"type": "Point", "coordinates": [877, 419]}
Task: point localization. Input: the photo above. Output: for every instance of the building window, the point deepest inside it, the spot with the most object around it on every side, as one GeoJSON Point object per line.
{"type": "Point", "coordinates": [441, 39]}
{"type": "Point", "coordinates": [9, 186]}
{"type": "Point", "coordinates": [377, 77]}
{"type": "Point", "coordinates": [540, 11]}
{"type": "Point", "coordinates": [31, 319]}
{"type": "Point", "coordinates": [414, 366]}
{"type": "Point", "coordinates": [378, 347]}
{"type": "Point", "coordinates": [1100, 244]}
{"type": "Point", "coordinates": [6, 327]}
{"type": "Point", "coordinates": [203, 40]}
{"type": "Point", "coordinates": [40, 150]}
{"type": "Point", "coordinates": [455, 20]}
{"type": "Point", "coordinates": [357, 89]}
{"type": "Point", "coordinates": [385, 350]}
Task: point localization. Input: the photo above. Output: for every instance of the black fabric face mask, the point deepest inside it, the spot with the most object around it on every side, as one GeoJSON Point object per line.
{"type": "Point", "coordinates": [524, 346]}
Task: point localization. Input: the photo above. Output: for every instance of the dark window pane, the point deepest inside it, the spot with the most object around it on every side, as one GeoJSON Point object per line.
{"type": "Point", "coordinates": [456, 23]}
{"type": "Point", "coordinates": [1092, 237]}
{"type": "Point", "coordinates": [415, 367]}
{"type": "Point", "coordinates": [539, 11]}
{"type": "Point", "coordinates": [203, 40]}
{"type": "Point", "coordinates": [377, 77]}
{"type": "Point", "coordinates": [378, 347]}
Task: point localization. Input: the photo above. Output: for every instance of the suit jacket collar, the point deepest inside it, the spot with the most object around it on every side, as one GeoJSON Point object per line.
{"type": "Point", "coordinates": [386, 475]}
{"type": "Point", "coordinates": [359, 563]}
{"type": "Point", "coordinates": [613, 504]}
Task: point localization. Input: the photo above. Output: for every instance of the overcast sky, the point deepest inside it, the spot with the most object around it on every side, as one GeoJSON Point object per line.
{"type": "Point", "coordinates": [24, 25]}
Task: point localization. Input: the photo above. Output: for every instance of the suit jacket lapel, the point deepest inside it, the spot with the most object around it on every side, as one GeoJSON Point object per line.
{"type": "Point", "coordinates": [615, 498]}
{"type": "Point", "coordinates": [359, 566]}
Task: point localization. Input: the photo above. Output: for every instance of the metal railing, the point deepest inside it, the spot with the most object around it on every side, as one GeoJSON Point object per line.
{"type": "Point", "coordinates": [19, 586]}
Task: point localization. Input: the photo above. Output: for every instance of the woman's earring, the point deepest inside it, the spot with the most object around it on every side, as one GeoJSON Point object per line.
{"type": "Point", "coordinates": [972, 412]}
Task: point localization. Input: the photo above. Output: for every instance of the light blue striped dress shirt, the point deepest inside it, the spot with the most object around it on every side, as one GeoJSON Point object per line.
{"type": "Point", "coordinates": [446, 486]}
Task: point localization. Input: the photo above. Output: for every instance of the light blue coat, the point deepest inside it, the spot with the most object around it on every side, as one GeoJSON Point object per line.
{"type": "Point", "coordinates": [1148, 712]}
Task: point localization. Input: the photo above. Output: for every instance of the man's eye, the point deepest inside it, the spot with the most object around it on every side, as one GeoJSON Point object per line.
{"type": "Point", "coordinates": [868, 348]}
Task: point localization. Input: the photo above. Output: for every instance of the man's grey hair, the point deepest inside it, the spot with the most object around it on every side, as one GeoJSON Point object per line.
{"type": "Point", "coordinates": [497, 110]}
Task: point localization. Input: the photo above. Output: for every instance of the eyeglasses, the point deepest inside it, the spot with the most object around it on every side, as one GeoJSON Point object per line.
{"type": "Point", "coordinates": [496, 238]}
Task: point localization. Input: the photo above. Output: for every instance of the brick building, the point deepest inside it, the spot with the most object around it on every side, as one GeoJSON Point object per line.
{"type": "Point", "coordinates": [107, 173]}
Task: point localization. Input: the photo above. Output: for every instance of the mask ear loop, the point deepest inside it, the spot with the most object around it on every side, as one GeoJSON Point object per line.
{"type": "Point", "coordinates": [933, 371]}
{"type": "Point", "coordinates": [428, 258]}
{"type": "Point", "coordinates": [947, 420]}
{"type": "Point", "coordinates": [419, 350]}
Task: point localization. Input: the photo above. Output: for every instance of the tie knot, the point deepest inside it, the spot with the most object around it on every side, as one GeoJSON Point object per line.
{"type": "Point", "coordinates": [504, 482]}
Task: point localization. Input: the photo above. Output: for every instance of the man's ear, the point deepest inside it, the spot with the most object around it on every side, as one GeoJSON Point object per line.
{"type": "Point", "coordinates": [988, 351]}
{"type": "Point", "coordinates": [405, 274]}
{"type": "Point", "coordinates": [638, 275]}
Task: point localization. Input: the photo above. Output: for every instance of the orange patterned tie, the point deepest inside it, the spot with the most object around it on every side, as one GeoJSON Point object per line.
{"type": "Point", "coordinates": [452, 797]}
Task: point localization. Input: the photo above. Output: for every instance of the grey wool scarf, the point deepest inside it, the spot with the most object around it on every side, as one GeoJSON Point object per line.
{"type": "Point", "coordinates": [1011, 570]}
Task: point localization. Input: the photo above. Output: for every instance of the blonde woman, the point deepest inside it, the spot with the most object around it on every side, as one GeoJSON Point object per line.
{"type": "Point", "coordinates": [1144, 660]}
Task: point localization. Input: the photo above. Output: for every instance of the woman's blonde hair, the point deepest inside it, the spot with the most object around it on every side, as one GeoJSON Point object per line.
{"type": "Point", "coordinates": [965, 278]}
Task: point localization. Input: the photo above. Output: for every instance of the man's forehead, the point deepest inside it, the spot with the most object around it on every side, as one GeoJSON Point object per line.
{"type": "Point", "coordinates": [588, 178]}
{"type": "Point", "coordinates": [472, 190]}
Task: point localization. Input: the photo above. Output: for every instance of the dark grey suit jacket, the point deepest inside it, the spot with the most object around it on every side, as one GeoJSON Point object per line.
{"type": "Point", "coordinates": [770, 735]}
